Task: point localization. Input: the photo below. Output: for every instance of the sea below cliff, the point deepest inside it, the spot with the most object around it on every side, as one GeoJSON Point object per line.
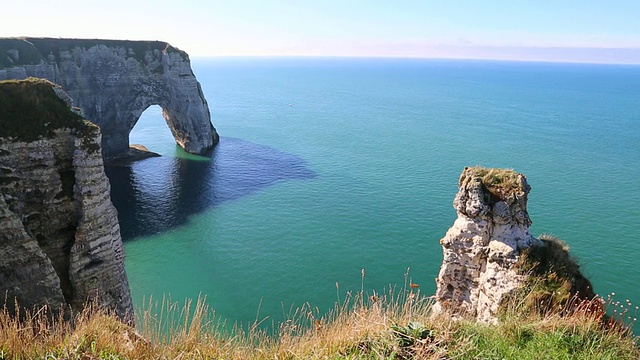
{"type": "Point", "coordinates": [330, 166]}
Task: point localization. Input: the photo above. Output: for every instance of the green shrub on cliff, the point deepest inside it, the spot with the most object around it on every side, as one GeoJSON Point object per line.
{"type": "Point", "coordinates": [553, 283]}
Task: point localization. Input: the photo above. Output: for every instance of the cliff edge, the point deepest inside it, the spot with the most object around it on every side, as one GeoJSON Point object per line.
{"type": "Point", "coordinates": [60, 236]}
{"type": "Point", "coordinates": [114, 82]}
{"type": "Point", "coordinates": [490, 256]}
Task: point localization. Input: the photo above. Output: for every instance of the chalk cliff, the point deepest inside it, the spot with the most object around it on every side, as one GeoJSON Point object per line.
{"type": "Point", "coordinates": [114, 82]}
{"type": "Point", "coordinates": [60, 240]}
{"type": "Point", "coordinates": [489, 252]}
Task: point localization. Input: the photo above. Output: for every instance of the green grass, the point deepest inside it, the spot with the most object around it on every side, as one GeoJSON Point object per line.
{"type": "Point", "coordinates": [543, 339]}
{"type": "Point", "coordinates": [30, 110]}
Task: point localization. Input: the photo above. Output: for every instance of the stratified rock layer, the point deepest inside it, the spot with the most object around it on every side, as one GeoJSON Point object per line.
{"type": "Point", "coordinates": [114, 82]}
{"type": "Point", "coordinates": [484, 243]}
{"type": "Point", "coordinates": [60, 240]}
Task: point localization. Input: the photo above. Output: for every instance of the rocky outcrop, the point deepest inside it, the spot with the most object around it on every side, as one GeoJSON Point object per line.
{"type": "Point", "coordinates": [60, 240]}
{"type": "Point", "coordinates": [489, 253]}
{"type": "Point", "coordinates": [114, 82]}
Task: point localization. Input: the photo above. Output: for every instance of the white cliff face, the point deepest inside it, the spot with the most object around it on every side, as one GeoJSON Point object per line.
{"type": "Point", "coordinates": [60, 236]}
{"type": "Point", "coordinates": [482, 246]}
{"type": "Point", "coordinates": [26, 272]}
{"type": "Point", "coordinates": [114, 82]}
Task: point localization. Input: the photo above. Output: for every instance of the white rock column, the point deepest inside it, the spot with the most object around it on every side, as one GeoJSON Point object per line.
{"type": "Point", "coordinates": [482, 246]}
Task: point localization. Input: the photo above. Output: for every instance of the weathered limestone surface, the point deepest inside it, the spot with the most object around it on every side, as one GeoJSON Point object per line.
{"type": "Point", "coordinates": [114, 82]}
{"type": "Point", "coordinates": [482, 246]}
{"type": "Point", "coordinates": [60, 239]}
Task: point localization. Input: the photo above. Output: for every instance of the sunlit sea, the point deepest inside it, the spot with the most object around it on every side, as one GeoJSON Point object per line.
{"type": "Point", "coordinates": [326, 167]}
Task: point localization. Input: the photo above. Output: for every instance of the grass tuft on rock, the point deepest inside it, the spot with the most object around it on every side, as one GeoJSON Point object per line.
{"type": "Point", "coordinates": [503, 184]}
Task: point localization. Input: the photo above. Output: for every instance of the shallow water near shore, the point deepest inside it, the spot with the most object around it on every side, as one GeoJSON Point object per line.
{"type": "Point", "coordinates": [330, 166]}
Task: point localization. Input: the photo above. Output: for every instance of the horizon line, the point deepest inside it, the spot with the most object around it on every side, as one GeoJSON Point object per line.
{"type": "Point", "coordinates": [552, 54]}
{"type": "Point", "coordinates": [619, 55]}
{"type": "Point", "coordinates": [393, 57]}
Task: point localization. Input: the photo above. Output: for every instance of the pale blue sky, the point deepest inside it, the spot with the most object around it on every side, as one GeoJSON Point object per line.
{"type": "Point", "coordinates": [445, 28]}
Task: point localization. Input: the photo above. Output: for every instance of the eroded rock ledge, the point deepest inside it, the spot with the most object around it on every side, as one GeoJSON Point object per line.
{"type": "Point", "coordinates": [489, 253]}
{"type": "Point", "coordinates": [114, 82]}
{"type": "Point", "coordinates": [60, 240]}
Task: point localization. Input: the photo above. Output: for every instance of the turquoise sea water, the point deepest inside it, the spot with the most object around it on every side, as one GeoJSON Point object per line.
{"type": "Point", "coordinates": [330, 166]}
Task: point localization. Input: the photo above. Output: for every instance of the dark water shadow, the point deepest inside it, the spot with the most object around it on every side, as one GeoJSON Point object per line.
{"type": "Point", "coordinates": [157, 194]}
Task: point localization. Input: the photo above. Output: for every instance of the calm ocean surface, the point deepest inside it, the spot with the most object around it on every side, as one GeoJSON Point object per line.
{"type": "Point", "coordinates": [330, 166]}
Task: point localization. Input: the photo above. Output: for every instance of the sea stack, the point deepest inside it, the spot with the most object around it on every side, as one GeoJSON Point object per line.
{"type": "Point", "coordinates": [114, 82]}
{"type": "Point", "coordinates": [489, 253]}
{"type": "Point", "coordinates": [60, 240]}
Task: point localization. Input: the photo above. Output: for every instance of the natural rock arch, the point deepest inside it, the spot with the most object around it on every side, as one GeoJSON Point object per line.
{"type": "Point", "coordinates": [114, 82]}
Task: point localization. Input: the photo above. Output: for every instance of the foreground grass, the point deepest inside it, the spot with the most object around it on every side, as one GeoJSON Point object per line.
{"type": "Point", "coordinates": [380, 327]}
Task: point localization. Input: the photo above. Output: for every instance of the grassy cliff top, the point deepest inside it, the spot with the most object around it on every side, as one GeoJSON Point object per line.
{"type": "Point", "coordinates": [391, 326]}
{"type": "Point", "coordinates": [502, 183]}
{"type": "Point", "coordinates": [35, 50]}
{"type": "Point", "coordinates": [31, 110]}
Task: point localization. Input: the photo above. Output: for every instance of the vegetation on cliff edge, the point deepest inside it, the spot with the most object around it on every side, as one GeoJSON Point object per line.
{"type": "Point", "coordinates": [554, 282]}
{"type": "Point", "coordinates": [396, 325]}
{"type": "Point", "coordinates": [502, 183]}
{"type": "Point", "coordinates": [31, 110]}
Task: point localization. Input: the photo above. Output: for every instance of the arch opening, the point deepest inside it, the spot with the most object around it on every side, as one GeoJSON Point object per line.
{"type": "Point", "coordinates": [152, 133]}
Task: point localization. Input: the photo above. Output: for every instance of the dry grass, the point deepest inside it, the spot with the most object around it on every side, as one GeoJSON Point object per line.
{"type": "Point", "coordinates": [502, 183]}
{"type": "Point", "coordinates": [396, 325]}
{"type": "Point", "coordinates": [93, 333]}
{"type": "Point", "coordinates": [358, 327]}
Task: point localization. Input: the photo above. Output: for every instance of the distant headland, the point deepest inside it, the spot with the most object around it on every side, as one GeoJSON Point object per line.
{"type": "Point", "coordinates": [114, 82]}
